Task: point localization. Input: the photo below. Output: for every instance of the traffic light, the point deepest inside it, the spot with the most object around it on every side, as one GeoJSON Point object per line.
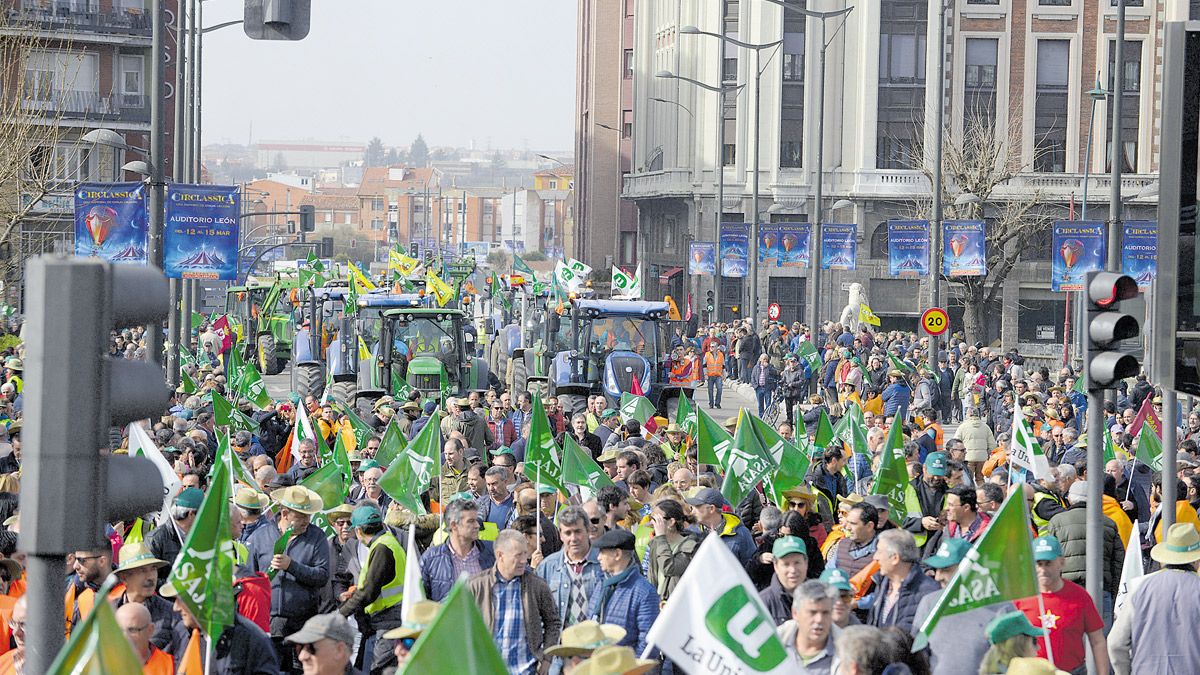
{"type": "Point", "coordinates": [277, 19]}
{"type": "Point", "coordinates": [710, 302]}
{"type": "Point", "coordinates": [1106, 326]}
{"type": "Point", "coordinates": [71, 487]}
{"type": "Point", "coordinates": [414, 250]}
{"type": "Point", "coordinates": [308, 218]}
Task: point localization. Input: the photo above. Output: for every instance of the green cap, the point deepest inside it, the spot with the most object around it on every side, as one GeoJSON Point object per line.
{"type": "Point", "coordinates": [189, 498]}
{"type": "Point", "coordinates": [787, 545]}
{"type": "Point", "coordinates": [502, 450]}
{"type": "Point", "coordinates": [546, 490]}
{"type": "Point", "coordinates": [1047, 548]}
{"type": "Point", "coordinates": [1010, 625]}
{"type": "Point", "coordinates": [935, 464]}
{"type": "Point", "coordinates": [836, 578]}
{"type": "Point", "coordinates": [365, 515]}
{"type": "Point", "coordinates": [950, 553]}
{"type": "Point", "coordinates": [369, 464]}
{"type": "Point", "coordinates": [608, 413]}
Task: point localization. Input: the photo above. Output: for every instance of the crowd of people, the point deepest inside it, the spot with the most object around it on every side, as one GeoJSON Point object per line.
{"type": "Point", "coordinates": [573, 584]}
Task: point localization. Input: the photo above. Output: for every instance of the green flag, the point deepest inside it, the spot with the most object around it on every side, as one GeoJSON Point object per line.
{"type": "Point", "coordinates": [350, 304]}
{"type": "Point", "coordinates": [748, 462]}
{"type": "Point", "coordinates": [314, 263]}
{"type": "Point", "coordinates": [252, 387]}
{"type": "Point", "coordinates": [185, 357]}
{"type": "Point", "coordinates": [636, 408]}
{"type": "Point", "coordinates": [851, 429]}
{"type": "Point", "coordinates": [238, 471]}
{"type": "Point", "coordinates": [362, 431]}
{"type": "Point", "coordinates": [393, 442]}
{"type": "Point", "coordinates": [1149, 448]}
{"type": "Point", "coordinates": [329, 482]}
{"type": "Point", "coordinates": [203, 572]}
{"type": "Point", "coordinates": [999, 568]}
{"type": "Point", "coordinates": [685, 416]}
{"type": "Point", "coordinates": [543, 460]}
{"type": "Point", "coordinates": [98, 645]}
{"type": "Point", "coordinates": [234, 365]}
{"type": "Point", "coordinates": [224, 414]}
{"type": "Point", "coordinates": [497, 292]}
{"type": "Point", "coordinates": [901, 365]}
{"type": "Point", "coordinates": [791, 463]}
{"type": "Point", "coordinates": [412, 471]}
{"type": "Point", "coordinates": [580, 469]}
{"type": "Point", "coordinates": [520, 266]}
{"type": "Point", "coordinates": [809, 354]}
{"type": "Point", "coordinates": [457, 630]}
{"type": "Point", "coordinates": [824, 436]}
{"type": "Point", "coordinates": [197, 319]}
{"type": "Point", "coordinates": [712, 441]}
{"type": "Point", "coordinates": [341, 459]}
{"type": "Point", "coordinates": [1080, 384]}
{"type": "Point", "coordinates": [186, 381]}
{"type": "Point", "coordinates": [1110, 452]}
{"type": "Point", "coordinates": [892, 479]}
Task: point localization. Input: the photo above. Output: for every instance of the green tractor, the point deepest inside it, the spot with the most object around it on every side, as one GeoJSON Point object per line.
{"type": "Point", "coordinates": [262, 317]}
{"type": "Point", "coordinates": [423, 348]}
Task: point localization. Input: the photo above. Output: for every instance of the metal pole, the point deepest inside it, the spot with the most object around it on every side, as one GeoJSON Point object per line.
{"type": "Point", "coordinates": [1170, 450]}
{"type": "Point", "coordinates": [197, 72]}
{"type": "Point", "coordinates": [720, 210]}
{"type": "Point", "coordinates": [935, 253]}
{"type": "Point", "coordinates": [178, 324]}
{"type": "Point", "coordinates": [44, 625]}
{"type": "Point", "coordinates": [1115, 152]}
{"type": "Point", "coordinates": [752, 303]}
{"type": "Point", "coordinates": [189, 75]}
{"type": "Point", "coordinates": [157, 158]}
{"type": "Point", "coordinates": [815, 256]}
{"type": "Point", "coordinates": [1094, 549]}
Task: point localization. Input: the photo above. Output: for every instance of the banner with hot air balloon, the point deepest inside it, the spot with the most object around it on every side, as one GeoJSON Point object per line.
{"type": "Point", "coordinates": [839, 246]}
{"type": "Point", "coordinates": [964, 244]}
{"type": "Point", "coordinates": [111, 222]}
{"type": "Point", "coordinates": [1139, 251]}
{"type": "Point", "coordinates": [1078, 248]}
{"type": "Point", "coordinates": [200, 236]}
{"type": "Point", "coordinates": [702, 258]}
{"type": "Point", "coordinates": [785, 244]}
{"type": "Point", "coordinates": [735, 248]}
{"type": "Point", "coordinates": [908, 248]}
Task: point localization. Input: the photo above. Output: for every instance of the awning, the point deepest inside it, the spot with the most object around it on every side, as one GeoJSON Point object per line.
{"type": "Point", "coordinates": [666, 276]}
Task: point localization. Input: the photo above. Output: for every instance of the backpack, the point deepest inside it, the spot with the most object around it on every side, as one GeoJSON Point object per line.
{"type": "Point", "coordinates": [935, 394]}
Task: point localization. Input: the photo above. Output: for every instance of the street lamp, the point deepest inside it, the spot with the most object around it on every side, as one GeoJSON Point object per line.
{"type": "Point", "coordinates": [137, 166]}
{"type": "Point", "coordinates": [1097, 94]}
{"type": "Point", "coordinates": [752, 291]}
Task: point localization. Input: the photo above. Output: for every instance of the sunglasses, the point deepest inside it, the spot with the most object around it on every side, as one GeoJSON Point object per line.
{"type": "Point", "coordinates": [408, 643]}
{"type": "Point", "coordinates": [595, 521]}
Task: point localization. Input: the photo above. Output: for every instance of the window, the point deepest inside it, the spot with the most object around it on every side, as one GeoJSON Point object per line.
{"type": "Point", "coordinates": [980, 80]}
{"type": "Point", "coordinates": [793, 54]}
{"type": "Point", "coordinates": [791, 102]}
{"type": "Point", "coordinates": [329, 216]}
{"type": "Point", "coordinates": [377, 204]}
{"type": "Point", "coordinates": [983, 2]}
{"type": "Point", "coordinates": [553, 185]}
{"type": "Point", "coordinates": [790, 293]}
{"type": "Point", "coordinates": [902, 41]}
{"type": "Point", "coordinates": [627, 124]}
{"type": "Point", "coordinates": [346, 218]}
{"type": "Point", "coordinates": [71, 163]}
{"type": "Point", "coordinates": [1055, 3]}
{"type": "Point", "coordinates": [131, 80]}
{"type": "Point", "coordinates": [628, 64]}
{"type": "Point", "coordinates": [376, 224]}
{"type": "Point", "coordinates": [879, 242]}
{"type": "Point", "coordinates": [629, 248]}
{"type": "Point", "coordinates": [729, 64]}
{"type": "Point", "coordinates": [1131, 84]}
{"type": "Point", "coordinates": [729, 151]}
{"type": "Point", "coordinates": [1050, 106]}
{"type": "Point", "coordinates": [629, 7]}
{"type": "Point", "coordinates": [1128, 3]}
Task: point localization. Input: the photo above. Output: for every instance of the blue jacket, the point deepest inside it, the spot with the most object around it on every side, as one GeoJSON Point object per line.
{"type": "Point", "coordinates": [629, 601]}
{"type": "Point", "coordinates": [295, 593]}
{"type": "Point", "coordinates": [896, 397]}
{"type": "Point", "coordinates": [554, 570]}
{"type": "Point", "coordinates": [437, 568]}
{"type": "Point", "coordinates": [737, 537]}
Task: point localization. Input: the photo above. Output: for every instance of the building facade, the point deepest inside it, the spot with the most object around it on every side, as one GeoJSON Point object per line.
{"type": "Point", "coordinates": [1016, 71]}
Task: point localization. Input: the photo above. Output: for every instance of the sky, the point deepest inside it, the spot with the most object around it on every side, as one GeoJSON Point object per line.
{"type": "Point", "coordinates": [499, 73]}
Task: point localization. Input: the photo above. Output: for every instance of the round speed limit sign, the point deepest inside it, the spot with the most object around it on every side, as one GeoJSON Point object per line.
{"type": "Point", "coordinates": [935, 321]}
{"type": "Point", "coordinates": [774, 311]}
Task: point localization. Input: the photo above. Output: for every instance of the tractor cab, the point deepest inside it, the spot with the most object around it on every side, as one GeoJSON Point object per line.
{"type": "Point", "coordinates": [429, 350]}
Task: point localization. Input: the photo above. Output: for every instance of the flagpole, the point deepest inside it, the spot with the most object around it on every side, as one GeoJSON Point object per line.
{"type": "Point", "coordinates": [208, 653]}
{"type": "Point", "coordinates": [1041, 601]}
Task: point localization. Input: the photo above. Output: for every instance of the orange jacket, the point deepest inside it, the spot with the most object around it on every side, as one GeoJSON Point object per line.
{"type": "Point", "coordinates": [160, 663]}
{"type": "Point", "coordinates": [714, 367]}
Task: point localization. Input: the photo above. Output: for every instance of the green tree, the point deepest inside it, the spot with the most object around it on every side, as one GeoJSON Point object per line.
{"type": "Point", "coordinates": [375, 152]}
{"type": "Point", "coordinates": [418, 152]}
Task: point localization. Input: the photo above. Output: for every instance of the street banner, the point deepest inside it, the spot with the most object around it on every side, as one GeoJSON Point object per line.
{"type": "Point", "coordinates": [964, 248]}
{"type": "Point", "coordinates": [702, 258]}
{"type": "Point", "coordinates": [908, 248]}
{"type": "Point", "coordinates": [839, 246]}
{"type": "Point", "coordinates": [714, 620]}
{"type": "Point", "coordinates": [785, 244]}
{"type": "Point", "coordinates": [200, 236]}
{"type": "Point", "coordinates": [1139, 252]}
{"type": "Point", "coordinates": [111, 222]}
{"type": "Point", "coordinates": [735, 247]}
{"type": "Point", "coordinates": [1077, 248]}
{"type": "Point", "coordinates": [1024, 450]}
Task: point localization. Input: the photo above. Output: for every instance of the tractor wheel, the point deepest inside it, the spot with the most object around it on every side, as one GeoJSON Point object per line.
{"type": "Point", "coordinates": [518, 376]}
{"type": "Point", "coordinates": [309, 380]}
{"type": "Point", "coordinates": [672, 408]}
{"type": "Point", "coordinates": [343, 392]}
{"type": "Point", "coordinates": [537, 387]}
{"type": "Point", "coordinates": [572, 403]}
{"type": "Point", "coordinates": [268, 359]}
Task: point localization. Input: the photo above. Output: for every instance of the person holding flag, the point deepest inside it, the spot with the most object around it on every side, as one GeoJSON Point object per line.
{"type": "Point", "coordinates": [380, 583]}
{"type": "Point", "coordinates": [1065, 610]}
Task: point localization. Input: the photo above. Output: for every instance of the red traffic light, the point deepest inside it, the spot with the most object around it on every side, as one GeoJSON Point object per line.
{"type": "Point", "coordinates": [1106, 289]}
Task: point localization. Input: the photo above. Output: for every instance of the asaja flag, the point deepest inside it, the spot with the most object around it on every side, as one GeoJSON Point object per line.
{"type": "Point", "coordinates": [203, 572]}
{"type": "Point", "coordinates": [824, 436]}
{"type": "Point", "coordinates": [329, 482]}
{"type": "Point", "coordinates": [809, 354]}
{"type": "Point", "coordinates": [412, 472]}
{"type": "Point", "coordinates": [238, 471]}
{"type": "Point", "coordinates": [140, 445]}
{"type": "Point", "coordinates": [1024, 450]}
{"type": "Point", "coordinates": [636, 407]}
{"type": "Point", "coordinates": [362, 432]}
{"type": "Point", "coordinates": [685, 416]}
{"type": "Point", "coordinates": [457, 642]}
{"type": "Point", "coordinates": [1110, 448]}
{"type": "Point", "coordinates": [712, 441]}
{"type": "Point", "coordinates": [580, 469]}
{"type": "Point", "coordinates": [225, 415]}
{"type": "Point", "coordinates": [442, 292]}
{"type": "Point", "coordinates": [900, 365]}
{"type": "Point", "coordinates": [361, 279]}
{"type": "Point", "coordinates": [791, 465]}
{"type": "Point", "coordinates": [1149, 448]}
{"type": "Point", "coordinates": [851, 429]}
{"type": "Point", "coordinates": [621, 282]}
{"type": "Point", "coordinates": [999, 568]}
{"type": "Point", "coordinates": [1132, 570]}
{"type": "Point", "coordinates": [97, 645]}
{"type": "Point", "coordinates": [892, 480]}
{"type": "Point", "coordinates": [543, 460]}
{"type": "Point", "coordinates": [497, 292]}
{"type": "Point", "coordinates": [391, 445]}
{"type": "Point", "coordinates": [714, 616]}
{"type": "Point", "coordinates": [748, 462]}
{"type": "Point", "coordinates": [865, 315]}
{"type": "Point", "coordinates": [520, 266]}
{"type": "Point", "coordinates": [402, 263]}
{"type": "Point", "coordinates": [301, 431]}
{"type": "Point", "coordinates": [186, 381]}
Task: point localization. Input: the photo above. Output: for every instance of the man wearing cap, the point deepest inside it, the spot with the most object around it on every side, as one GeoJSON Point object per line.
{"type": "Point", "coordinates": [324, 645]}
{"type": "Point", "coordinates": [138, 573]}
{"type": "Point", "coordinates": [343, 556]}
{"type": "Point", "coordinates": [1146, 636]}
{"type": "Point", "coordinates": [610, 419]}
{"type": "Point", "coordinates": [380, 584]}
{"type": "Point", "coordinates": [808, 633]}
{"type": "Point", "coordinates": [1070, 528]}
{"type": "Point", "coordinates": [516, 605]}
{"type": "Point", "coordinates": [1065, 610]}
{"type": "Point", "coordinates": [166, 540]}
{"type": "Point", "coordinates": [135, 622]}
{"type": "Point", "coordinates": [625, 598]}
{"type": "Point", "coordinates": [301, 571]}
{"type": "Point", "coordinates": [931, 494]}
{"type": "Point", "coordinates": [902, 583]}
{"type": "Point", "coordinates": [789, 558]}
{"type": "Point", "coordinates": [242, 648]}
{"type": "Point", "coordinates": [961, 640]}
{"type": "Point", "coordinates": [708, 503]}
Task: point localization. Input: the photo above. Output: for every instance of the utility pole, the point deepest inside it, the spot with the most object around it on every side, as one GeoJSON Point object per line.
{"type": "Point", "coordinates": [1116, 153]}
{"type": "Point", "coordinates": [154, 252]}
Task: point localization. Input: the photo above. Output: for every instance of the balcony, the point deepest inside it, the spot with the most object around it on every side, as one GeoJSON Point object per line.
{"type": "Point", "coordinates": [76, 104]}
{"type": "Point", "coordinates": [77, 17]}
{"type": "Point", "coordinates": [658, 184]}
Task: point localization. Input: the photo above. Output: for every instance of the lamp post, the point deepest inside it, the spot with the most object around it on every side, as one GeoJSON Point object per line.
{"type": "Point", "coordinates": [752, 291]}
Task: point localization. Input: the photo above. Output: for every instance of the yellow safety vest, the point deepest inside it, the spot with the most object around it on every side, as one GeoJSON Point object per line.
{"type": "Point", "coordinates": [923, 536]}
{"type": "Point", "coordinates": [392, 592]}
{"type": "Point", "coordinates": [1040, 523]}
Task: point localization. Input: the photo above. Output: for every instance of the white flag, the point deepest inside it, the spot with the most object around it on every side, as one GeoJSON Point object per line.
{"type": "Point", "coordinates": [578, 267]}
{"type": "Point", "coordinates": [414, 592]}
{"type": "Point", "coordinates": [1024, 450]}
{"type": "Point", "coordinates": [714, 616]}
{"type": "Point", "coordinates": [622, 283]}
{"type": "Point", "coordinates": [301, 431]}
{"type": "Point", "coordinates": [569, 277]}
{"type": "Point", "coordinates": [1132, 570]}
{"type": "Point", "coordinates": [140, 445]}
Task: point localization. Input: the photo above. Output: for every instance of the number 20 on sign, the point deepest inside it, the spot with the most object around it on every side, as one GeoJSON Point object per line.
{"type": "Point", "coordinates": [935, 321]}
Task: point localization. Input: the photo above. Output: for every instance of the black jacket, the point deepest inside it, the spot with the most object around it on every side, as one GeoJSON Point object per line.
{"type": "Point", "coordinates": [777, 600]}
{"type": "Point", "coordinates": [772, 376]}
{"type": "Point", "coordinates": [242, 649]}
{"type": "Point", "coordinates": [590, 442]}
{"type": "Point", "coordinates": [165, 545]}
{"type": "Point", "coordinates": [915, 586]}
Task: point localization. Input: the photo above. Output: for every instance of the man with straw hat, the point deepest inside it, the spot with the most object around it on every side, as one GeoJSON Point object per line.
{"type": "Point", "coordinates": [252, 507]}
{"type": "Point", "coordinates": [580, 641]}
{"type": "Point", "coordinates": [420, 615]}
{"type": "Point", "coordinates": [380, 584]}
{"type": "Point", "coordinates": [614, 661]}
{"type": "Point", "coordinates": [138, 573]}
{"type": "Point", "coordinates": [1145, 637]}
